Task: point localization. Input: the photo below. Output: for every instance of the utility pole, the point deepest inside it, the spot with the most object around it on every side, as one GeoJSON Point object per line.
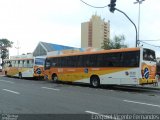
{"type": "Point", "coordinates": [139, 2]}
{"type": "Point", "coordinates": [18, 47]}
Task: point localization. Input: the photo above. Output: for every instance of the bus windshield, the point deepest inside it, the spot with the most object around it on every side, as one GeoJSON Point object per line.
{"type": "Point", "coordinates": [149, 55]}
{"type": "Point", "coordinates": [39, 61]}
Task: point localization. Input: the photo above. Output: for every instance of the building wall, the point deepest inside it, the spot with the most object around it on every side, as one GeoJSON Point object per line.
{"type": "Point", "coordinates": [94, 32]}
{"type": "Point", "coordinates": [84, 34]}
{"type": "Point", "coordinates": [39, 51]}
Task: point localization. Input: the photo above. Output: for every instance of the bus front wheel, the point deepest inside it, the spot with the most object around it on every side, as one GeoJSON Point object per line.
{"type": "Point", "coordinates": [94, 81]}
{"type": "Point", "coordinates": [54, 78]}
{"type": "Point", "coordinates": [20, 75]}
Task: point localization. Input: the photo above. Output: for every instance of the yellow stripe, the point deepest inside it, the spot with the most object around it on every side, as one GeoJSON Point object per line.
{"type": "Point", "coordinates": [13, 71]}
{"type": "Point", "coordinates": [146, 81]}
{"type": "Point", "coordinates": [75, 76]}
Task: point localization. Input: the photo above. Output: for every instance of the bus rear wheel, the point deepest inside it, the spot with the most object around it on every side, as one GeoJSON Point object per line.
{"type": "Point", "coordinates": [20, 75]}
{"type": "Point", "coordinates": [54, 78]}
{"type": "Point", "coordinates": [94, 81]}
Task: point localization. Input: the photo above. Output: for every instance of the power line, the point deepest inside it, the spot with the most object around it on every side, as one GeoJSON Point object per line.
{"type": "Point", "coordinates": [92, 5]}
{"type": "Point", "coordinates": [149, 44]}
{"type": "Point", "coordinates": [150, 40]}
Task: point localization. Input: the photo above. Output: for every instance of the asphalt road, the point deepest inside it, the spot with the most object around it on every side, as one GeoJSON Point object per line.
{"type": "Point", "coordinates": [19, 96]}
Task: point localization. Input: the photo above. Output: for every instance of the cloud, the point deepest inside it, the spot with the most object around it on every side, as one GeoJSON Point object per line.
{"type": "Point", "coordinates": [57, 21]}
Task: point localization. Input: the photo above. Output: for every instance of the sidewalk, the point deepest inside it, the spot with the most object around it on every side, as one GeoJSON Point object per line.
{"type": "Point", "coordinates": [152, 86]}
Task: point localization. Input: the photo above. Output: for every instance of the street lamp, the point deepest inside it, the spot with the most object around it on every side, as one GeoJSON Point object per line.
{"type": "Point", "coordinates": [139, 2]}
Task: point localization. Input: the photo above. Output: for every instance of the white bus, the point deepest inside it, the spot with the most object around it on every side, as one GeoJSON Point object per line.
{"type": "Point", "coordinates": [24, 67]}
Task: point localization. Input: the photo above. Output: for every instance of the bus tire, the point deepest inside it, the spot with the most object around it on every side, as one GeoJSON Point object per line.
{"type": "Point", "coordinates": [20, 75]}
{"type": "Point", "coordinates": [95, 81]}
{"type": "Point", "coordinates": [54, 78]}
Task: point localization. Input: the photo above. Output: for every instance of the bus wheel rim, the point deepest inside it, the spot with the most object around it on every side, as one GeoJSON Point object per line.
{"type": "Point", "coordinates": [95, 82]}
{"type": "Point", "coordinates": [55, 78]}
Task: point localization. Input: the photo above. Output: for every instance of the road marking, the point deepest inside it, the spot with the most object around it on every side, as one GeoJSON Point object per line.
{"type": "Point", "coordinates": [50, 88]}
{"type": "Point", "coordinates": [6, 81]}
{"type": "Point", "coordinates": [90, 112]}
{"type": "Point", "coordinates": [142, 103]}
{"type": "Point", "coordinates": [11, 91]}
{"type": "Point", "coordinates": [101, 116]}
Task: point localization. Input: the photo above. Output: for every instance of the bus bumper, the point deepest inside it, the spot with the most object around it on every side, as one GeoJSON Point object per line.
{"type": "Point", "coordinates": [38, 75]}
{"type": "Point", "coordinates": [147, 81]}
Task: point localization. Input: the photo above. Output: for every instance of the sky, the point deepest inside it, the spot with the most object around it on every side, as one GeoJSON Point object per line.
{"type": "Point", "coordinates": [27, 22]}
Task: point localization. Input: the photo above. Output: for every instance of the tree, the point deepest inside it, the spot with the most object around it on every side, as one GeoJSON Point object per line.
{"type": "Point", "coordinates": [4, 45]}
{"type": "Point", "coordinates": [116, 43]}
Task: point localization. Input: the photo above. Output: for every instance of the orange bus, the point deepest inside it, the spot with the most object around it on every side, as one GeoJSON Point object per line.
{"type": "Point", "coordinates": [126, 66]}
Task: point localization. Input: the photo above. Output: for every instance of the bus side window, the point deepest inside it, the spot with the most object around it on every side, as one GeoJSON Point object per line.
{"type": "Point", "coordinates": [13, 63]}
{"type": "Point", "coordinates": [73, 58]}
{"type": "Point", "coordinates": [21, 64]}
{"type": "Point", "coordinates": [53, 63]}
{"type": "Point", "coordinates": [31, 63]}
{"type": "Point", "coordinates": [10, 65]}
{"type": "Point", "coordinates": [93, 60]}
{"type": "Point", "coordinates": [131, 59]}
{"type": "Point", "coordinates": [110, 64]}
{"type": "Point", "coordinates": [58, 62]}
{"type": "Point", "coordinates": [47, 64]}
{"type": "Point", "coordinates": [25, 63]}
{"type": "Point", "coordinates": [100, 62]}
{"type": "Point", "coordinates": [16, 63]}
{"type": "Point", "coordinates": [79, 61]}
{"type": "Point", "coordinates": [86, 61]}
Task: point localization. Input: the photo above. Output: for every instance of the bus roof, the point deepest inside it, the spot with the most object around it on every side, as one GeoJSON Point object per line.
{"type": "Point", "coordinates": [18, 59]}
{"type": "Point", "coordinates": [96, 52]}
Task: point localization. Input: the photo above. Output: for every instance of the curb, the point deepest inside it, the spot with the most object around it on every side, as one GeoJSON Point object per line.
{"type": "Point", "coordinates": [142, 87]}
{"type": "Point", "coordinates": [151, 88]}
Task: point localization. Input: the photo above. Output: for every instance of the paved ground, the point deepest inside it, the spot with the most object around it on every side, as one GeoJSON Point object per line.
{"type": "Point", "coordinates": [38, 98]}
{"type": "Point", "coordinates": [19, 96]}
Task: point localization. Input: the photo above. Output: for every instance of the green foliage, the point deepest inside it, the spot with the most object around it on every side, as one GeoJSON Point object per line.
{"type": "Point", "coordinates": [4, 45]}
{"type": "Point", "coordinates": [116, 43]}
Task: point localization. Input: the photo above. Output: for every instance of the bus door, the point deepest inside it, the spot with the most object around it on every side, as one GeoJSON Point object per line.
{"type": "Point", "coordinates": [53, 66]}
{"type": "Point", "coordinates": [47, 68]}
